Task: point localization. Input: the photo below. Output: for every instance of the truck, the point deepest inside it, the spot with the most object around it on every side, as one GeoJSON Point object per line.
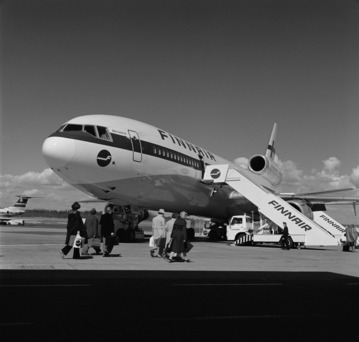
{"type": "Point", "coordinates": [243, 231]}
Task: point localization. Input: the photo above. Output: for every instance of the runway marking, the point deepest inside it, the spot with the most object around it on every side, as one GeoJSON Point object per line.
{"type": "Point", "coordinates": [231, 284]}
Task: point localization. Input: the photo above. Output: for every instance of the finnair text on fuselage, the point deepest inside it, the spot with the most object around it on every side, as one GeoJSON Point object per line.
{"type": "Point", "coordinates": [180, 142]}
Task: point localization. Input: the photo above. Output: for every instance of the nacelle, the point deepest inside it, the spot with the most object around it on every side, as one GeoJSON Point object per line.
{"type": "Point", "coordinates": [265, 167]}
{"type": "Point", "coordinates": [303, 207]}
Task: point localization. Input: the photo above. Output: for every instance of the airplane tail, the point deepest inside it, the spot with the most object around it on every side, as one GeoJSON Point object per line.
{"type": "Point", "coordinates": [21, 202]}
{"type": "Point", "coordinates": [270, 150]}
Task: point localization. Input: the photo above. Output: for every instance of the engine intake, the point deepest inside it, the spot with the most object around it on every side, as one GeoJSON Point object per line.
{"type": "Point", "coordinates": [265, 167]}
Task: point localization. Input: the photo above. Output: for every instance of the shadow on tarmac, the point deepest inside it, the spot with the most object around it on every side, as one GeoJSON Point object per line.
{"type": "Point", "coordinates": [55, 305]}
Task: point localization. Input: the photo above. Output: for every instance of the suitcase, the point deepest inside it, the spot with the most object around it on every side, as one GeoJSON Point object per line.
{"type": "Point", "coordinates": [346, 248]}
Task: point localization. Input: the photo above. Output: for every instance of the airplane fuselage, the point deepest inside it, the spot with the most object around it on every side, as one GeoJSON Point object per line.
{"type": "Point", "coordinates": [124, 161]}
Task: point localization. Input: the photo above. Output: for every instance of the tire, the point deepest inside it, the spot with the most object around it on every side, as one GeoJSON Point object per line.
{"type": "Point", "coordinates": [121, 235]}
{"type": "Point", "coordinates": [212, 235]}
{"type": "Point", "coordinates": [190, 234]}
{"type": "Point", "coordinates": [130, 235]}
{"type": "Point", "coordinates": [238, 238]}
{"type": "Point", "coordinates": [290, 243]}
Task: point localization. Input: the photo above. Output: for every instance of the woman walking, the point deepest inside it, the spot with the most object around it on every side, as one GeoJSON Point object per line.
{"type": "Point", "coordinates": [179, 237]}
{"type": "Point", "coordinates": [74, 225]}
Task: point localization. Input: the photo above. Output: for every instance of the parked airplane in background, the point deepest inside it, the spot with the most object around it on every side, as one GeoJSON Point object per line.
{"type": "Point", "coordinates": [127, 162]}
{"type": "Point", "coordinates": [7, 215]}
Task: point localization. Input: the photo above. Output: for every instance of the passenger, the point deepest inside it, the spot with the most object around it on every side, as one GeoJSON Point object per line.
{"type": "Point", "coordinates": [179, 238]}
{"type": "Point", "coordinates": [168, 230]}
{"type": "Point", "coordinates": [158, 233]}
{"type": "Point", "coordinates": [351, 237]}
{"type": "Point", "coordinates": [74, 225]}
{"type": "Point", "coordinates": [107, 231]}
{"type": "Point", "coordinates": [93, 234]}
{"type": "Point", "coordinates": [285, 237]}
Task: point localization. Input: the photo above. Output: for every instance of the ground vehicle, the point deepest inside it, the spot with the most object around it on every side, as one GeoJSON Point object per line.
{"type": "Point", "coordinates": [243, 231]}
{"type": "Point", "coordinates": [239, 227]}
{"type": "Point", "coordinates": [15, 222]}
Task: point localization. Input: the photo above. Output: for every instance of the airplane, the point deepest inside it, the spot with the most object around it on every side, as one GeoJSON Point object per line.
{"type": "Point", "coordinates": [7, 214]}
{"type": "Point", "coordinates": [127, 162]}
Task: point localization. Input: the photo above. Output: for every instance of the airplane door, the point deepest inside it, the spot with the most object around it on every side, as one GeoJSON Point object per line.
{"type": "Point", "coordinates": [136, 146]}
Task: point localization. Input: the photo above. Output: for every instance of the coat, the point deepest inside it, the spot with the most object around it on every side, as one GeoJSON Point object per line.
{"type": "Point", "coordinates": [179, 235]}
{"type": "Point", "coordinates": [169, 229]}
{"type": "Point", "coordinates": [74, 224]}
{"type": "Point", "coordinates": [92, 227]}
{"type": "Point", "coordinates": [107, 225]}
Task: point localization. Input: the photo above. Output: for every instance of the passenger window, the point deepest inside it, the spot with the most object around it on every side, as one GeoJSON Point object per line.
{"type": "Point", "coordinates": [72, 128]}
{"type": "Point", "coordinates": [103, 133]}
{"type": "Point", "coordinates": [154, 150]}
{"type": "Point", "coordinates": [90, 130]}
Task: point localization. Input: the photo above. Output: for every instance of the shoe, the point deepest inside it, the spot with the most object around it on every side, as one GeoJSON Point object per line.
{"type": "Point", "coordinates": [186, 260]}
{"type": "Point", "coordinates": [62, 255]}
{"type": "Point", "coordinates": [106, 254]}
{"type": "Point", "coordinates": [170, 260]}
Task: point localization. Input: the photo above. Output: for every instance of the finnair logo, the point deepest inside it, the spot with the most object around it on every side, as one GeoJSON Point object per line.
{"type": "Point", "coordinates": [291, 216]}
{"type": "Point", "coordinates": [104, 158]}
{"type": "Point", "coordinates": [215, 173]}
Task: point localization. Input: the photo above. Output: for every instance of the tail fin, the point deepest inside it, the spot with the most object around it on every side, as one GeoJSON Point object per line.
{"type": "Point", "coordinates": [270, 151]}
{"type": "Point", "coordinates": [21, 202]}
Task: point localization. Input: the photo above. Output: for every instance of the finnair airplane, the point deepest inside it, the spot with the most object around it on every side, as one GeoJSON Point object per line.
{"type": "Point", "coordinates": [128, 162]}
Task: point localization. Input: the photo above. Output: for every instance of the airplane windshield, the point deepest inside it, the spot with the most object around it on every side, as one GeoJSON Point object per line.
{"type": "Point", "coordinates": [90, 130]}
{"type": "Point", "coordinates": [72, 128]}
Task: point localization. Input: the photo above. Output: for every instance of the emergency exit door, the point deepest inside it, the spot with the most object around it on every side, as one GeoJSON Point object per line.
{"type": "Point", "coordinates": [136, 146]}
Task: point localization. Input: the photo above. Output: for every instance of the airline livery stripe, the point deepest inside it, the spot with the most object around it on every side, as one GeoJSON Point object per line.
{"type": "Point", "coordinates": [124, 143]}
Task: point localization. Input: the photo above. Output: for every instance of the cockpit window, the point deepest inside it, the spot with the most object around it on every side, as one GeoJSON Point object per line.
{"type": "Point", "coordinates": [103, 133]}
{"type": "Point", "coordinates": [90, 130]}
{"type": "Point", "coordinates": [61, 128]}
{"type": "Point", "coordinates": [72, 128]}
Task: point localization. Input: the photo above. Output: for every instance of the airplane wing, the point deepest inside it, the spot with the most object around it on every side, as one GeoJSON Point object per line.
{"type": "Point", "coordinates": [316, 197]}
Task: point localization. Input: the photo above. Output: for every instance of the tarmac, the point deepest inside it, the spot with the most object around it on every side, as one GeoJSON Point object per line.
{"type": "Point", "coordinates": [225, 293]}
{"type": "Point", "coordinates": [37, 246]}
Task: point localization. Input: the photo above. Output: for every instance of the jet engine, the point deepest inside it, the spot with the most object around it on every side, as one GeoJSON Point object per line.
{"type": "Point", "coordinates": [266, 168]}
{"type": "Point", "coordinates": [303, 207]}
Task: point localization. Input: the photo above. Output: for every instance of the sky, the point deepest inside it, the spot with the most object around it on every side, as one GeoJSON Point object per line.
{"type": "Point", "coordinates": [215, 73]}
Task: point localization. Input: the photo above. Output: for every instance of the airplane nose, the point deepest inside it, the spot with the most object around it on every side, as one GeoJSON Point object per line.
{"type": "Point", "coordinates": [58, 152]}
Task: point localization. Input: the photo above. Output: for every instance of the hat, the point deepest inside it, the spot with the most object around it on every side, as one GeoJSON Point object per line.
{"type": "Point", "coordinates": [184, 213]}
{"type": "Point", "coordinates": [161, 211]}
{"type": "Point", "coordinates": [93, 211]}
{"type": "Point", "coordinates": [76, 206]}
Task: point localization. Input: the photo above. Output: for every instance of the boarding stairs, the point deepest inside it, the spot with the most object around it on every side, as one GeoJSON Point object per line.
{"type": "Point", "coordinates": [270, 205]}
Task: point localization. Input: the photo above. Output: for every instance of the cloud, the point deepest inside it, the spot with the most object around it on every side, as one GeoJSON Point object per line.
{"type": "Point", "coordinates": [241, 161]}
{"type": "Point", "coordinates": [354, 178]}
{"type": "Point", "coordinates": [329, 177]}
{"type": "Point", "coordinates": [31, 178]}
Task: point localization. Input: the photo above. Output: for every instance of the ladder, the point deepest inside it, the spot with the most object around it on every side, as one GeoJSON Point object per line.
{"type": "Point", "coordinates": [270, 205]}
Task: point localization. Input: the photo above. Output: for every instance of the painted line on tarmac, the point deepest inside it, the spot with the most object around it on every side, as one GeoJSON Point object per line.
{"type": "Point", "coordinates": [231, 284]}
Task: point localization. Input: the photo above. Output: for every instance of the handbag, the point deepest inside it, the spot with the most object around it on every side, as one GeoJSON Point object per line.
{"type": "Point", "coordinates": [95, 242]}
{"type": "Point", "coordinates": [71, 240]}
{"type": "Point", "coordinates": [168, 248]}
{"type": "Point", "coordinates": [187, 247]}
{"type": "Point", "coordinates": [152, 242]}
